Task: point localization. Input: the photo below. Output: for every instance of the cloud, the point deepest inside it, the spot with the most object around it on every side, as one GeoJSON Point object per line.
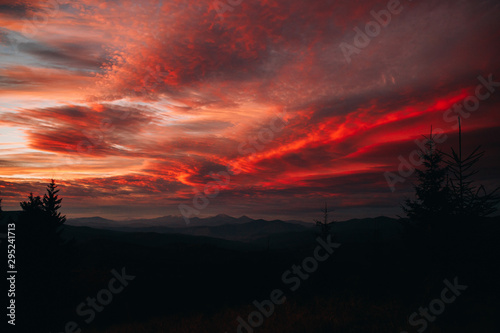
{"type": "Point", "coordinates": [137, 102]}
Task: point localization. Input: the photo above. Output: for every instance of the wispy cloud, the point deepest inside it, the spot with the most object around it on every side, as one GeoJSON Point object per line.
{"type": "Point", "coordinates": [132, 104]}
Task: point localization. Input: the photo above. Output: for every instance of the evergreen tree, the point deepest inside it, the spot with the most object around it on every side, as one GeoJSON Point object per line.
{"type": "Point", "coordinates": [52, 204]}
{"type": "Point", "coordinates": [47, 260]}
{"type": "Point", "coordinates": [33, 205]}
{"type": "Point", "coordinates": [431, 206]}
{"type": "Point", "coordinates": [41, 217]}
{"type": "Point", "coordinates": [468, 200]}
{"type": "Point", "coordinates": [324, 225]}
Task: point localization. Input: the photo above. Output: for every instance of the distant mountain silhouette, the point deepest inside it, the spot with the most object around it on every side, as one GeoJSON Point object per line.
{"type": "Point", "coordinates": [260, 232]}
{"type": "Point", "coordinates": [245, 229]}
{"type": "Point", "coordinates": [104, 237]}
{"type": "Point", "coordinates": [220, 226]}
{"type": "Point", "coordinates": [169, 221]}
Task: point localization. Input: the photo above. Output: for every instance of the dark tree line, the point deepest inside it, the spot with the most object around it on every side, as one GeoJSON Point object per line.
{"type": "Point", "coordinates": [445, 192]}
{"type": "Point", "coordinates": [44, 259]}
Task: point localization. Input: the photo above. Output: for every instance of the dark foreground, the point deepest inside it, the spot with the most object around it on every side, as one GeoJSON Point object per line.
{"type": "Point", "coordinates": [447, 281]}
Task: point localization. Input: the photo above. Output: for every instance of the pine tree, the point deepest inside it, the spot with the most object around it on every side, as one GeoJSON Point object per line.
{"type": "Point", "coordinates": [32, 212]}
{"type": "Point", "coordinates": [33, 205]}
{"type": "Point", "coordinates": [431, 206]}
{"type": "Point", "coordinates": [47, 258]}
{"type": "Point", "coordinates": [324, 225]}
{"type": "Point", "coordinates": [468, 200]}
{"type": "Point", "coordinates": [52, 204]}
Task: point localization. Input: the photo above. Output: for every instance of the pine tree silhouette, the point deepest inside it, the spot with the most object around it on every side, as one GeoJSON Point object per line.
{"type": "Point", "coordinates": [33, 205]}
{"type": "Point", "coordinates": [51, 205]}
{"type": "Point", "coordinates": [47, 260]}
{"type": "Point", "coordinates": [324, 225]}
{"type": "Point", "coordinates": [431, 206]}
{"type": "Point", "coordinates": [468, 200]}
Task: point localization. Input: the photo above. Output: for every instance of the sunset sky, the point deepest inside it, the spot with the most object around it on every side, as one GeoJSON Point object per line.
{"type": "Point", "coordinates": [131, 105]}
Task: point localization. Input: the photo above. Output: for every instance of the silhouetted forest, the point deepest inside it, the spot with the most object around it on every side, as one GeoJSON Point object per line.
{"type": "Point", "coordinates": [373, 281]}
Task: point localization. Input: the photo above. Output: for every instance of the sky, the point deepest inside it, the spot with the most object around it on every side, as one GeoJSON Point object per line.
{"type": "Point", "coordinates": [259, 108]}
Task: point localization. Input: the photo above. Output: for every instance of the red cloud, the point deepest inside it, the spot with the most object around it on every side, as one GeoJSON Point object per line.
{"type": "Point", "coordinates": [138, 103]}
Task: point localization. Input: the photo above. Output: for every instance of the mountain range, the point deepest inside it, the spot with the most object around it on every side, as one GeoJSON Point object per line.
{"type": "Point", "coordinates": [246, 229]}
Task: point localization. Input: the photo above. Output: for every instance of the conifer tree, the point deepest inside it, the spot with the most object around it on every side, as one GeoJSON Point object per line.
{"type": "Point", "coordinates": [324, 225]}
{"type": "Point", "coordinates": [33, 205]}
{"type": "Point", "coordinates": [431, 206]}
{"type": "Point", "coordinates": [47, 258]}
{"type": "Point", "coordinates": [52, 204]}
{"type": "Point", "coordinates": [468, 199]}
